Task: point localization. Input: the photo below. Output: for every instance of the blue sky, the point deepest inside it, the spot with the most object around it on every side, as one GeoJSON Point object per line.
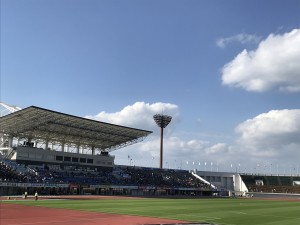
{"type": "Point", "coordinates": [227, 71]}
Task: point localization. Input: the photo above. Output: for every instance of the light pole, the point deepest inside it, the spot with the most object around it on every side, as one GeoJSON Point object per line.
{"type": "Point", "coordinates": [162, 121]}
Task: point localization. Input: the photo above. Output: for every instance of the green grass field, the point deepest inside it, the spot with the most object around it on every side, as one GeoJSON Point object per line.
{"type": "Point", "coordinates": [216, 211]}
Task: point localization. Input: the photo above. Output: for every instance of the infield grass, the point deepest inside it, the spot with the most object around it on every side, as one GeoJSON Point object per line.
{"type": "Point", "coordinates": [215, 211]}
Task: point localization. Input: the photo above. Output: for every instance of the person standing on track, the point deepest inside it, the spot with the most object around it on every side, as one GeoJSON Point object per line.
{"type": "Point", "coordinates": [36, 196]}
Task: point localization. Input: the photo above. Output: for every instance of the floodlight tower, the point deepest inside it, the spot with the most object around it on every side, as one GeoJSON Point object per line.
{"type": "Point", "coordinates": [162, 121]}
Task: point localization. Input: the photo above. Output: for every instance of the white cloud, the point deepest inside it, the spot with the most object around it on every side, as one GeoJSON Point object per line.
{"type": "Point", "coordinates": [273, 65]}
{"type": "Point", "coordinates": [218, 148]}
{"type": "Point", "coordinates": [177, 151]}
{"type": "Point", "coordinates": [274, 134]}
{"type": "Point", "coordinates": [242, 38]}
{"type": "Point", "coordinates": [140, 115]}
{"type": "Point", "coordinates": [267, 138]}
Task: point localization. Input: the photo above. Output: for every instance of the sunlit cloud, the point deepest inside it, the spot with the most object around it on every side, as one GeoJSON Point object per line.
{"type": "Point", "coordinates": [273, 65]}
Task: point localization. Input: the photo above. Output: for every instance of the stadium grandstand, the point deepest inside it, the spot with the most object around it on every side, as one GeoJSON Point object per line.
{"type": "Point", "coordinates": [59, 154]}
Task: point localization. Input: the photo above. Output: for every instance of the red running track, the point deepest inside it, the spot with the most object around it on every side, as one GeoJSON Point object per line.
{"type": "Point", "coordinates": [11, 214]}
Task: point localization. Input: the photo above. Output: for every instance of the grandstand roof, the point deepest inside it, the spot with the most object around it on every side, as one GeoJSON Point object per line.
{"type": "Point", "coordinates": [42, 124]}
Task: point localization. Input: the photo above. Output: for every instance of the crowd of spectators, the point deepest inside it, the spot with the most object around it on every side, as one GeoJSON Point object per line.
{"type": "Point", "coordinates": [76, 177]}
{"type": "Point", "coordinates": [119, 175]}
{"type": "Point", "coordinates": [159, 177]}
{"type": "Point", "coordinates": [9, 173]}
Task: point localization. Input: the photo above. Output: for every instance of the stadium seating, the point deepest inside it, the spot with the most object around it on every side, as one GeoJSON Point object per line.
{"type": "Point", "coordinates": [119, 175]}
{"type": "Point", "coordinates": [171, 179]}
{"type": "Point", "coordinates": [271, 184]}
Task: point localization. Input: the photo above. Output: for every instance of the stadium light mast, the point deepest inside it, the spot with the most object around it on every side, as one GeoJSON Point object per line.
{"type": "Point", "coordinates": [162, 121]}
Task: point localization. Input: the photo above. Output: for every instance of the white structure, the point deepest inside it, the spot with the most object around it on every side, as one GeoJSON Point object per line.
{"type": "Point", "coordinates": [7, 109]}
{"type": "Point", "coordinates": [224, 181]}
{"type": "Point", "coordinates": [41, 135]}
{"type": "Point", "coordinates": [5, 140]}
{"type": "Point", "coordinates": [40, 156]}
{"type": "Point", "coordinates": [239, 185]}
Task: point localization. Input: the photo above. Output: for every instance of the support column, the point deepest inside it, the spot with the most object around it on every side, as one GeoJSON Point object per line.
{"type": "Point", "coordinates": [63, 147]}
{"type": "Point", "coordinates": [10, 141]}
{"type": "Point", "coordinates": [161, 147]}
{"type": "Point", "coordinates": [46, 144]}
